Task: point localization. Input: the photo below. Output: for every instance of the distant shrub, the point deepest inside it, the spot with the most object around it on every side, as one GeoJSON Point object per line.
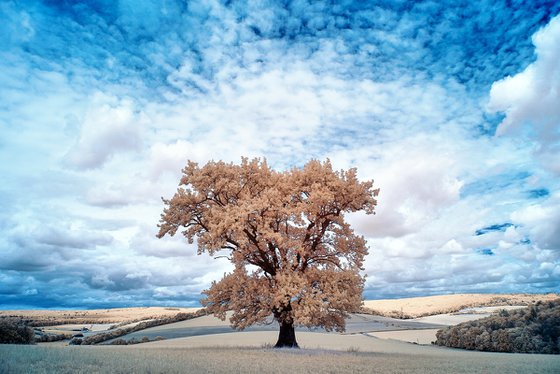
{"type": "Point", "coordinates": [76, 341]}
{"type": "Point", "coordinates": [144, 339]}
{"type": "Point", "coordinates": [119, 342]}
{"type": "Point", "coordinates": [12, 332]}
{"type": "Point", "coordinates": [49, 337]}
{"type": "Point", "coordinates": [391, 314]}
{"type": "Point", "coordinates": [535, 329]}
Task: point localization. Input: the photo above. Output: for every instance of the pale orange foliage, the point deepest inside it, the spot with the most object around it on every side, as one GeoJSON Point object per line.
{"type": "Point", "coordinates": [289, 225]}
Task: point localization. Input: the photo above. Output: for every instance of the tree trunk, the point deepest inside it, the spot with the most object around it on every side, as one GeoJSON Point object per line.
{"type": "Point", "coordinates": [287, 336]}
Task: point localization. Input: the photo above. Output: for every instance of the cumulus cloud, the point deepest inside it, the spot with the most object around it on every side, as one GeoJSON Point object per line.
{"type": "Point", "coordinates": [72, 238]}
{"type": "Point", "coordinates": [110, 126]}
{"type": "Point", "coordinates": [542, 221]}
{"type": "Point", "coordinates": [416, 184]}
{"type": "Point", "coordinates": [530, 98]}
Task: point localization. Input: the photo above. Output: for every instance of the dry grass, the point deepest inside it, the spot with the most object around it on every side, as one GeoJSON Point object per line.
{"type": "Point", "coordinates": [34, 359]}
{"type": "Point", "coordinates": [424, 306]}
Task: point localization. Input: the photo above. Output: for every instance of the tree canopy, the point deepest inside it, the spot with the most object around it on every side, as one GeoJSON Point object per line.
{"type": "Point", "coordinates": [535, 329]}
{"type": "Point", "coordinates": [294, 255]}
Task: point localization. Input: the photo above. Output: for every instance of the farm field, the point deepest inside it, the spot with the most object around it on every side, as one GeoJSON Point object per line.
{"type": "Point", "coordinates": [443, 304]}
{"type": "Point", "coordinates": [372, 343]}
{"type": "Point", "coordinates": [96, 316]}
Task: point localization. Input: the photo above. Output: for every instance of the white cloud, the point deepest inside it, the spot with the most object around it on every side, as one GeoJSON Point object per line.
{"type": "Point", "coordinates": [530, 99]}
{"type": "Point", "coordinates": [171, 158]}
{"type": "Point", "coordinates": [110, 125]}
{"type": "Point", "coordinates": [541, 222]}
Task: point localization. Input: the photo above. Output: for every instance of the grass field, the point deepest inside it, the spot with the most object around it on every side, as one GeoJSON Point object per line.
{"type": "Point", "coordinates": [99, 359]}
{"type": "Point", "coordinates": [243, 352]}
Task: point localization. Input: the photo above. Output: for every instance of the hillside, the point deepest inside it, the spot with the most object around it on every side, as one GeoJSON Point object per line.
{"type": "Point", "coordinates": [431, 305]}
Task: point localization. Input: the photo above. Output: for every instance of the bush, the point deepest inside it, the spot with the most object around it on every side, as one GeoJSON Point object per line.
{"type": "Point", "coordinates": [76, 341]}
{"type": "Point", "coordinates": [535, 329]}
{"type": "Point", "coordinates": [144, 339]}
{"type": "Point", "coordinates": [12, 332]}
{"type": "Point", "coordinates": [119, 341]}
{"type": "Point", "coordinates": [45, 338]}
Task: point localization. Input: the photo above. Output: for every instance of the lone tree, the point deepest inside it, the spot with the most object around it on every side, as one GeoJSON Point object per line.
{"type": "Point", "coordinates": [294, 255]}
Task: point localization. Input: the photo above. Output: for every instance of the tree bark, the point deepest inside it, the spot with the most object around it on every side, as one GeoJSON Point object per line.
{"type": "Point", "coordinates": [287, 336]}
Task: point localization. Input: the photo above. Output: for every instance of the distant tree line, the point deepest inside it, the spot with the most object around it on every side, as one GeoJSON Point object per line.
{"type": "Point", "coordinates": [111, 334]}
{"type": "Point", "coordinates": [535, 329]}
{"type": "Point", "coordinates": [75, 318]}
{"type": "Point", "coordinates": [64, 319]}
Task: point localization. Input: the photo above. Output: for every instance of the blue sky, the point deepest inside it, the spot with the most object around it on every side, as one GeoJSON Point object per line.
{"type": "Point", "coordinates": [451, 107]}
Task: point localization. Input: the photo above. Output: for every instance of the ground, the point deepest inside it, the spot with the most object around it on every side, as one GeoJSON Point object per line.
{"type": "Point", "coordinates": [372, 343]}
